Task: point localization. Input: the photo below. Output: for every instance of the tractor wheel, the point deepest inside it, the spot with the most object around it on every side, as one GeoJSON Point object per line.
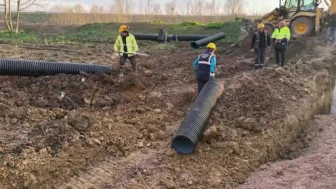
{"type": "Point", "coordinates": [269, 28]}
{"type": "Point", "coordinates": [302, 26]}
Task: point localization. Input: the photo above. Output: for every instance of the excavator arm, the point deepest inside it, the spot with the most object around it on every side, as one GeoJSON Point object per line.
{"type": "Point", "coordinates": [331, 5]}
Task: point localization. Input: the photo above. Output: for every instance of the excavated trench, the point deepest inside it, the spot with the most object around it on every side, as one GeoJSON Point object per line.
{"type": "Point", "coordinates": [255, 121]}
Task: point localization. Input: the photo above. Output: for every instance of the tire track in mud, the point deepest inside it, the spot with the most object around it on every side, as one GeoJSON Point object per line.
{"type": "Point", "coordinates": [103, 175]}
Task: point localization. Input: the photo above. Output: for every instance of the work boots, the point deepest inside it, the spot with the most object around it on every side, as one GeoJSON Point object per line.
{"type": "Point", "coordinates": [121, 74]}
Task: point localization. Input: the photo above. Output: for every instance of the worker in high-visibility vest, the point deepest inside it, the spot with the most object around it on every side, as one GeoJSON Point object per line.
{"type": "Point", "coordinates": [205, 66]}
{"type": "Point", "coordinates": [281, 36]}
{"type": "Point", "coordinates": [126, 45]}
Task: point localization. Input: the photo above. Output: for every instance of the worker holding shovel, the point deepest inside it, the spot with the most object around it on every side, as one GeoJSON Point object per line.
{"type": "Point", "coordinates": [127, 47]}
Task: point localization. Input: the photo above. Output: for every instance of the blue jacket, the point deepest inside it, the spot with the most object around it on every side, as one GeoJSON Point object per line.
{"type": "Point", "coordinates": [211, 63]}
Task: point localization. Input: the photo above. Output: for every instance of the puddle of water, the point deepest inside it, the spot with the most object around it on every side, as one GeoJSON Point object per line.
{"type": "Point", "coordinates": [333, 105]}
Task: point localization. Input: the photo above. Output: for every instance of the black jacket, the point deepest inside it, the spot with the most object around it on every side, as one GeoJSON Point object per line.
{"type": "Point", "coordinates": [263, 41]}
{"type": "Point", "coordinates": [332, 20]}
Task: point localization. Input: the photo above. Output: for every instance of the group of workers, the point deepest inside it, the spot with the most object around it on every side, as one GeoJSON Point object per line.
{"type": "Point", "coordinates": [205, 64]}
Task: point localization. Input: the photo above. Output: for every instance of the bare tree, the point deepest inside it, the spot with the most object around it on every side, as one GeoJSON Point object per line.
{"type": "Point", "coordinates": [61, 8]}
{"type": "Point", "coordinates": [19, 6]}
{"type": "Point", "coordinates": [213, 8]}
{"type": "Point", "coordinates": [149, 7]}
{"type": "Point", "coordinates": [197, 8]}
{"type": "Point", "coordinates": [234, 7]}
{"type": "Point", "coordinates": [185, 7]}
{"type": "Point", "coordinates": [97, 9]}
{"type": "Point", "coordinates": [171, 7]}
{"type": "Point", "coordinates": [122, 7]}
{"type": "Point", "coordinates": [157, 9]}
{"type": "Point", "coordinates": [78, 8]}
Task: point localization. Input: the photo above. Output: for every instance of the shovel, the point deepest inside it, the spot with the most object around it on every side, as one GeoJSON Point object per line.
{"type": "Point", "coordinates": [140, 54]}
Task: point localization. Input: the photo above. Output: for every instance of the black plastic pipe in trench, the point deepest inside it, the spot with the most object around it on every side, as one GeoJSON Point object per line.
{"type": "Point", "coordinates": [195, 122]}
{"type": "Point", "coordinates": [173, 37]}
{"type": "Point", "coordinates": [201, 42]}
{"type": "Point", "coordinates": [150, 37]}
{"type": "Point", "coordinates": [17, 67]}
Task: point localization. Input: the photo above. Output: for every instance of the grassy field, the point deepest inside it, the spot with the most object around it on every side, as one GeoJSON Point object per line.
{"type": "Point", "coordinates": [106, 32]}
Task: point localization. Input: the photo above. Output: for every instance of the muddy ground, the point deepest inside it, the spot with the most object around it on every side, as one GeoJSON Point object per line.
{"type": "Point", "coordinates": [111, 133]}
{"type": "Point", "coordinates": [313, 167]}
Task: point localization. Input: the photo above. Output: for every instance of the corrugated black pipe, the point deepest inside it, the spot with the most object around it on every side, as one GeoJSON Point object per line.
{"type": "Point", "coordinates": [150, 37]}
{"type": "Point", "coordinates": [195, 122]}
{"type": "Point", "coordinates": [37, 68]}
{"type": "Point", "coordinates": [176, 37]}
{"type": "Point", "coordinates": [213, 38]}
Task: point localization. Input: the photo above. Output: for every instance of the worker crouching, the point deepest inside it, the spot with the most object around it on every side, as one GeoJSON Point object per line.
{"type": "Point", "coordinates": [125, 45]}
{"type": "Point", "coordinates": [205, 66]}
{"type": "Point", "coordinates": [261, 40]}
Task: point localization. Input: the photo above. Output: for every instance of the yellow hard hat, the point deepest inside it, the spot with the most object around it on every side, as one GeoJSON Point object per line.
{"type": "Point", "coordinates": [211, 46]}
{"type": "Point", "coordinates": [123, 28]}
{"type": "Point", "coordinates": [261, 25]}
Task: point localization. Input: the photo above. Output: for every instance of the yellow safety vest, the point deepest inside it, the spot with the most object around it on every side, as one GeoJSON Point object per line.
{"type": "Point", "coordinates": [281, 33]}
{"type": "Point", "coordinates": [131, 44]}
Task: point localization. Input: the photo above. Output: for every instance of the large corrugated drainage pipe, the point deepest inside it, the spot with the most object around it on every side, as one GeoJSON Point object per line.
{"type": "Point", "coordinates": [195, 122]}
{"type": "Point", "coordinates": [38, 68]}
{"type": "Point", "coordinates": [201, 42]}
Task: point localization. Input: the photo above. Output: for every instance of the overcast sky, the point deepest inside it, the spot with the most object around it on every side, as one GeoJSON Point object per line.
{"type": "Point", "coordinates": [251, 5]}
{"type": "Point", "coordinates": [265, 5]}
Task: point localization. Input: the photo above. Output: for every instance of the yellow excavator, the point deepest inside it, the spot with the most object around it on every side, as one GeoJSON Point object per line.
{"type": "Point", "coordinates": [303, 17]}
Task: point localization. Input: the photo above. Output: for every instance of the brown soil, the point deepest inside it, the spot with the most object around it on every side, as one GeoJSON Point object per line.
{"type": "Point", "coordinates": [314, 168]}
{"type": "Point", "coordinates": [113, 133]}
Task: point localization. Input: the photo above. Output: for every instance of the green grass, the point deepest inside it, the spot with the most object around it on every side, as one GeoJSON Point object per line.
{"type": "Point", "coordinates": [21, 37]}
{"type": "Point", "coordinates": [213, 25]}
{"type": "Point", "coordinates": [107, 32]}
{"type": "Point", "coordinates": [96, 32]}
{"type": "Point", "coordinates": [232, 31]}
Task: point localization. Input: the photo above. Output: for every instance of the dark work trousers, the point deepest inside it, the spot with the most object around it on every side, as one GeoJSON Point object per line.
{"type": "Point", "coordinates": [259, 57]}
{"type": "Point", "coordinates": [202, 79]}
{"type": "Point", "coordinates": [123, 59]}
{"type": "Point", "coordinates": [280, 53]}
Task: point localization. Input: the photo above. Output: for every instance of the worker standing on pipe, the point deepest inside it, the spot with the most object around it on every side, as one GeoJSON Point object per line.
{"type": "Point", "coordinates": [260, 41]}
{"type": "Point", "coordinates": [281, 36]}
{"type": "Point", "coordinates": [205, 66]}
{"type": "Point", "coordinates": [126, 43]}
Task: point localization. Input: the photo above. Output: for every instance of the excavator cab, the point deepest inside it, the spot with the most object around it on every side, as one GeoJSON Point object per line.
{"type": "Point", "coordinates": [290, 7]}
{"type": "Point", "coordinates": [302, 16]}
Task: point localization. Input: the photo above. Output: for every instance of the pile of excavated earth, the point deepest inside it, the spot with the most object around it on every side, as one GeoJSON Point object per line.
{"type": "Point", "coordinates": [106, 132]}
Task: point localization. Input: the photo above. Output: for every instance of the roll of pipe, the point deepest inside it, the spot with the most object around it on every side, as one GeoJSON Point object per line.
{"type": "Point", "coordinates": [18, 67]}
{"type": "Point", "coordinates": [195, 122]}
{"type": "Point", "coordinates": [212, 38]}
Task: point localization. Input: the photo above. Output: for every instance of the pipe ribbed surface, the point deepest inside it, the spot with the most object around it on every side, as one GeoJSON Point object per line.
{"type": "Point", "coordinates": [201, 42]}
{"type": "Point", "coordinates": [195, 122]}
{"type": "Point", "coordinates": [37, 68]}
